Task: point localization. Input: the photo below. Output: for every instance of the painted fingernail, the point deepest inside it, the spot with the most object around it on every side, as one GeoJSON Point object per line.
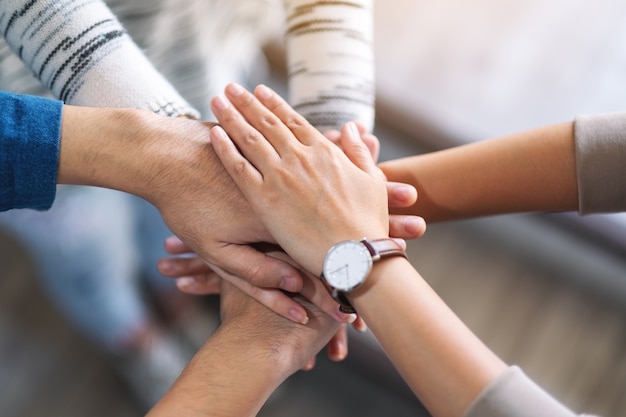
{"type": "Point", "coordinates": [220, 102]}
{"type": "Point", "coordinates": [235, 89]}
{"type": "Point", "coordinates": [264, 92]}
{"type": "Point", "coordinates": [298, 316]}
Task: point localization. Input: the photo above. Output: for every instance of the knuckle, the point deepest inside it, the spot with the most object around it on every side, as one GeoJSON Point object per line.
{"type": "Point", "coordinates": [228, 116]}
{"type": "Point", "coordinates": [239, 167]}
{"type": "Point", "coordinates": [251, 138]}
{"type": "Point", "coordinates": [295, 121]}
{"type": "Point", "coordinates": [246, 99]}
{"type": "Point", "coordinates": [269, 121]}
{"type": "Point", "coordinates": [254, 274]}
{"type": "Point", "coordinates": [275, 104]}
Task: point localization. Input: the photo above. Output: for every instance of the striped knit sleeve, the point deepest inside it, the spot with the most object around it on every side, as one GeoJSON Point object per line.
{"type": "Point", "coordinates": [330, 60]}
{"type": "Point", "coordinates": [82, 54]}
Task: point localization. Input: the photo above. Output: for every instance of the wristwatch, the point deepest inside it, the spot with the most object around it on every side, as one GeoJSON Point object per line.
{"type": "Point", "coordinates": [348, 264]}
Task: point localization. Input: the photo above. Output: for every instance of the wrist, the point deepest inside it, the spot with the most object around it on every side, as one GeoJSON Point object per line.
{"type": "Point", "coordinates": [231, 375]}
{"type": "Point", "coordinates": [103, 147]}
{"type": "Point", "coordinates": [130, 150]}
{"type": "Point", "coordinates": [380, 271]}
{"type": "Point", "coordinates": [265, 344]}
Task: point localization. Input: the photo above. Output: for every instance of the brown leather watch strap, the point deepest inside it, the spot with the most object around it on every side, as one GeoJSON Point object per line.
{"type": "Point", "coordinates": [380, 248]}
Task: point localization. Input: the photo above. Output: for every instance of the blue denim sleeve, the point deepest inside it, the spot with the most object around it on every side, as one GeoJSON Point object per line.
{"type": "Point", "coordinates": [30, 134]}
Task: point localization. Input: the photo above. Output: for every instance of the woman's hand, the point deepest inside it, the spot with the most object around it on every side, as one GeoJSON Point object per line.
{"type": "Point", "coordinates": [399, 195]}
{"type": "Point", "coordinates": [307, 192]}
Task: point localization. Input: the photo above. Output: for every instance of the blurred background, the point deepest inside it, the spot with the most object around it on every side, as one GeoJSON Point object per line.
{"type": "Point", "coordinates": [545, 291]}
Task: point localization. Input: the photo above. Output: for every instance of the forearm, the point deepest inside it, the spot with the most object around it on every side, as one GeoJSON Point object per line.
{"type": "Point", "coordinates": [230, 376]}
{"type": "Point", "coordinates": [133, 151]}
{"type": "Point", "coordinates": [247, 358]}
{"type": "Point", "coordinates": [442, 361]}
{"type": "Point", "coordinates": [529, 171]}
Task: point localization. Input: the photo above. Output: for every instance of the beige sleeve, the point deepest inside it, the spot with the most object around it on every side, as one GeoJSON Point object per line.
{"type": "Point", "coordinates": [513, 394]}
{"type": "Point", "coordinates": [601, 163]}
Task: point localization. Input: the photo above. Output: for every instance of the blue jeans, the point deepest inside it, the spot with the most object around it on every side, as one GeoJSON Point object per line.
{"type": "Point", "coordinates": [91, 248]}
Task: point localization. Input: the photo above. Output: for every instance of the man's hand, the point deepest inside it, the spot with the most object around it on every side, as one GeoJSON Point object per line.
{"type": "Point", "coordinates": [291, 345]}
{"type": "Point", "coordinates": [252, 352]}
{"type": "Point", "coordinates": [170, 162]}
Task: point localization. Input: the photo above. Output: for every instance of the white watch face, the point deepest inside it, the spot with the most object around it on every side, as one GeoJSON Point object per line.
{"type": "Point", "coordinates": [346, 265]}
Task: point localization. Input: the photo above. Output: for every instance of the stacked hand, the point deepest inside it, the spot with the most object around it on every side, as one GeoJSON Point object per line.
{"type": "Point", "coordinates": [359, 149]}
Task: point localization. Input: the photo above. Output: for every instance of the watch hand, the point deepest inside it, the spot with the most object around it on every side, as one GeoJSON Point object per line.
{"type": "Point", "coordinates": [339, 269]}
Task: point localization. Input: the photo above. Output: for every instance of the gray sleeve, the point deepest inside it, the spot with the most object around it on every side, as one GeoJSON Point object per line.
{"type": "Point", "coordinates": [601, 163]}
{"type": "Point", "coordinates": [513, 394]}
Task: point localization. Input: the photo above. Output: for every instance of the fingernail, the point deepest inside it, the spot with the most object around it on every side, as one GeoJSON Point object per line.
{"type": "Point", "coordinates": [220, 102]}
{"type": "Point", "coordinates": [404, 191]}
{"type": "Point", "coordinates": [166, 265]}
{"type": "Point", "coordinates": [353, 130]}
{"type": "Point", "coordinates": [291, 284]}
{"type": "Point", "coordinates": [298, 316]}
{"type": "Point", "coordinates": [173, 240]}
{"type": "Point", "coordinates": [415, 224]}
{"type": "Point", "coordinates": [344, 317]}
{"type": "Point", "coordinates": [218, 132]}
{"type": "Point", "coordinates": [264, 92]}
{"type": "Point", "coordinates": [235, 89]}
{"type": "Point", "coordinates": [185, 282]}
{"type": "Point", "coordinates": [361, 329]}
{"type": "Point", "coordinates": [341, 352]}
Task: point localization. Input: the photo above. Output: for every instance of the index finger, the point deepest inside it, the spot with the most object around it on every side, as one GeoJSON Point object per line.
{"type": "Point", "coordinates": [301, 128]}
{"type": "Point", "coordinates": [273, 128]}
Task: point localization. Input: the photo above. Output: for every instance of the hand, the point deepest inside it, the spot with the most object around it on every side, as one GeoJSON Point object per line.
{"type": "Point", "coordinates": [170, 162]}
{"type": "Point", "coordinates": [400, 195]}
{"type": "Point", "coordinates": [308, 193]}
{"type": "Point", "coordinates": [291, 344]}
{"type": "Point", "coordinates": [194, 276]}
{"type": "Point", "coordinates": [252, 352]}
